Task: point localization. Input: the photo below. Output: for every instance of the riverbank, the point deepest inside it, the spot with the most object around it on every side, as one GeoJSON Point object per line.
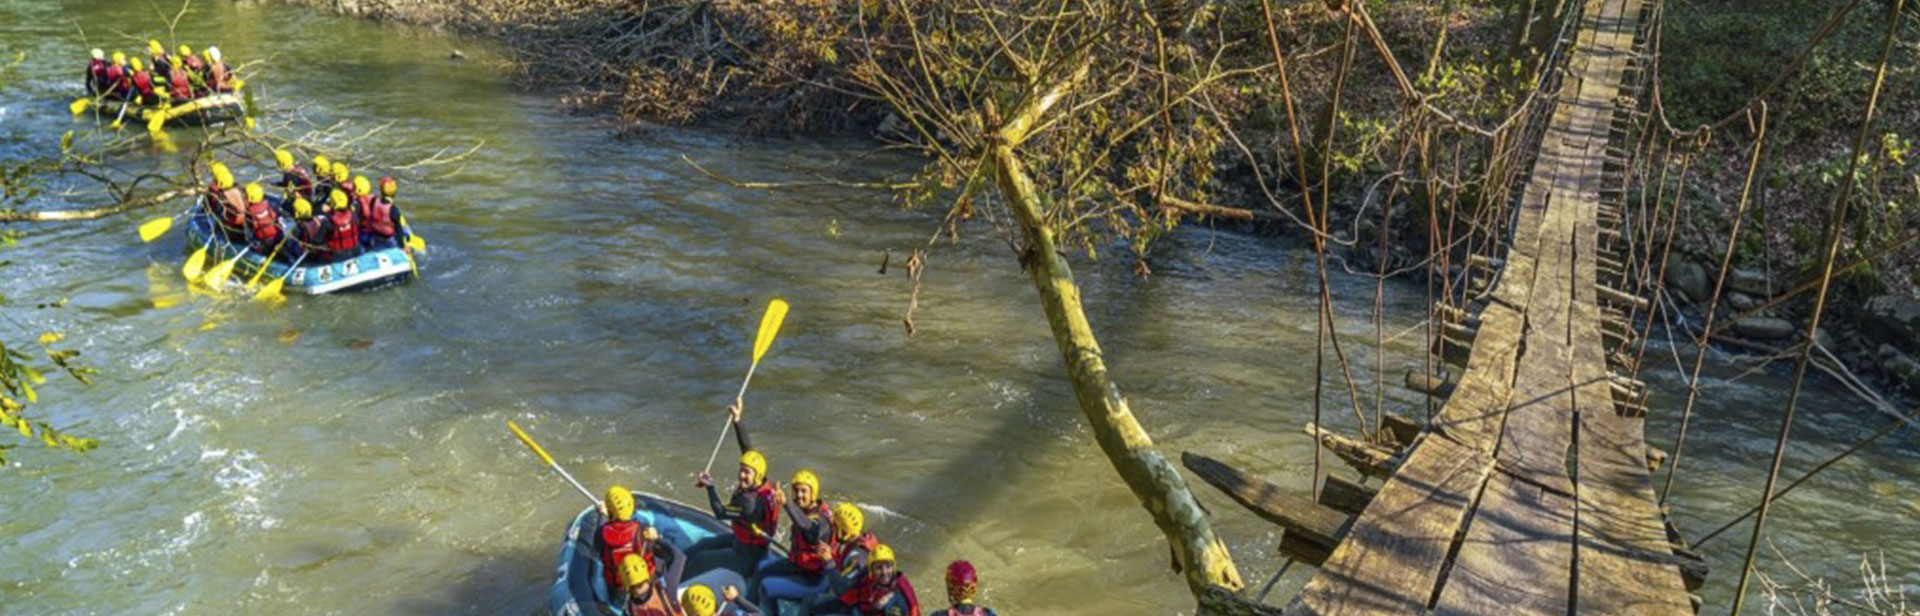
{"type": "Point", "coordinates": [784, 68]}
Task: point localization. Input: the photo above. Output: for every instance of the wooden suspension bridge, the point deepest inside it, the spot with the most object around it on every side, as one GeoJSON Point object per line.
{"type": "Point", "coordinates": [1529, 492]}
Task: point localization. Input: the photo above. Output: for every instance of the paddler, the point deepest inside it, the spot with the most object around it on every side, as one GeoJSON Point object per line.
{"type": "Point", "coordinates": [341, 227]}
{"type": "Point", "coordinates": [884, 591]}
{"type": "Point", "coordinates": [140, 85]}
{"type": "Point", "coordinates": [641, 594]}
{"type": "Point", "coordinates": [802, 574]}
{"type": "Point", "coordinates": [308, 232]}
{"type": "Point", "coordinates": [219, 75]}
{"type": "Point", "coordinates": [227, 205]}
{"type": "Point", "coordinates": [621, 535]}
{"type": "Point", "coordinates": [362, 197]}
{"type": "Point", "coordinates": [196, 70]}
{"type": "Point", "coordinates": [962, 584]}
{"type": "Point", "coordinates": [322, 175]}
{"type": "Point", "coordinates": [157, 54]}
{"type": "Point", "coordinates": [382, 216]}
{"type": "Point", "coordinates": [97, 81]}
{"type": "Point", "coordinates": [263, 224]}
{"type": "Point", "coordinates": [119, 79]}
{"type": "Point", "coordinates": [753, 510]}
{"type": "Point", "coordinates": [342, 178]}
{"type": "Point", "coordinates": [853, 545]}
{"type": "Point", "coordinates": [699, 602]}
{"type": "Point", "coordinates": [179, 84]}
{"type": "Point", "coordinates": [294, 181]}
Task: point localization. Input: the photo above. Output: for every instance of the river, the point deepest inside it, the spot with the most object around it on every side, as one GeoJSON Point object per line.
{"type": "Point", "coordinates": [348, 455]}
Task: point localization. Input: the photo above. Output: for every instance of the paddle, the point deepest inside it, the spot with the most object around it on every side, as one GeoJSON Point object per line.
{"type": "Point", "coordinates": [528, 441]}
{"type": "Point", "coordinates": [263, 264]}
{"type": "Point", "coordinates": [217, 275]}
{"type": "Point", "coordinates": [152, 230]}
{"type": "Point", "coordinates": [80, 105]}
{"type": "Point", "coordinates": [196, 263]}
{"type": "Point", "coordinates": [272, 290]}
{"type": "Point", "coordinates": [769, 327]}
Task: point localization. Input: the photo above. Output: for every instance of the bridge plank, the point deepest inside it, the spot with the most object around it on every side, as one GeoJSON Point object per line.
{"type": "Point", "coordinates": [1517, 556]}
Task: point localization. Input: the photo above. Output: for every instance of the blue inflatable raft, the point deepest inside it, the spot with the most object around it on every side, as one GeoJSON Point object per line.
{"type": "Point", "coordinates": [576, 587]}
{"type": "Point", "coordinates": [371, 269]}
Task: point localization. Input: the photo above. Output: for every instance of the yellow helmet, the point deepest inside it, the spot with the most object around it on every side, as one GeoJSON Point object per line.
{"type": "Point", "coordinates": [361, 186]}
{"type": "Point", "coordinates": [284, 159]}
{"type": "Point", "coordinates": [155, 48]}
{"type": "Point", "coordinates": [633, 571]}
{"type": "Point", "coordinates": [753, 460]}
{"type": "Point", "coordinates": [322, 166]}
{"type": "Point", "coordinates": [222, 176]}
{"type": "Point", "coordinates": [806, 478]}
{"type": "Point", "coordinates": [186, 52]}
{"type": "Point", "coordinates": [388, 186]}
{"type": "Point", "coordinates": [619, 504]}
{"type": "Point", "coordinates": [340, 174]}
{"type": "Point", "coordinates": [699, 601]}
{"type": "Point", "coordinates": [848, 522]}
{"type": "Point", "coordinates": [882, 553]}
{"type": "Point", "coordinates": [254, 193]}
{"type": "Point", "coordinates": [338, 199]}
{"type": "Point", "coordinates": [137, 66]}
{"type": "Point", "coordinates": [301, 208]}
{"type": "Point", "coordinates": [120, 58]}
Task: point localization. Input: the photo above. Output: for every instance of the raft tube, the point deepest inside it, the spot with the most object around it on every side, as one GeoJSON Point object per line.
{"type": "Point", "coordinates": [578, 567]}
{"type": "Point", "coordinates": [202, 111]}
{"type": "Point", "coordinates": [371, 269]}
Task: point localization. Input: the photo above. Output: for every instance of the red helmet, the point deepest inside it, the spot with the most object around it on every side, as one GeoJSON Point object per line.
{"type": "Point", "coordinates": [961, 581]}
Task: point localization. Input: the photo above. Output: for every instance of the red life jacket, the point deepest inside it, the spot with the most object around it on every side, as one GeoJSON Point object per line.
{"type": "Point", "coordinates": [116, 79]}
{"type": "Point", "coordinates": [345, 236]}
{"type": "Point", "coordinates": [97, 75]}
{"type": "Point", "coordinates": [194, 64]}
{"type": "Point", "coordinates": [143, 85]}
{"type": "Point", "coordinates": [177, 80]}
{"type": "Point", "coordinates": [379, 218]}
{"type": "Point", "coordinates": [266, 223]}
{"type": "Point", "coordinates": [866, 542]}
{"type": "Point", "coordinates": [810, 556]}
{"type": "Point", "coordinates": [868, 596]}
{"type": "Point", "coordinates": [617, 540]}
{"type": "Point", "coordinates": [769, 522]}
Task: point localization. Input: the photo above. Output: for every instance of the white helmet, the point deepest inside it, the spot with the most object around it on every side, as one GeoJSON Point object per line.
{"type": "Point", "coordinates": [214, 52]}
{"type": "Point", "coordinates": [99, 55]}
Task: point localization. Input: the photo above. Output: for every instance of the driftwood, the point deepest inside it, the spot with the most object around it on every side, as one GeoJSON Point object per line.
{"type": "Point", "coordinates": [1371, 460]}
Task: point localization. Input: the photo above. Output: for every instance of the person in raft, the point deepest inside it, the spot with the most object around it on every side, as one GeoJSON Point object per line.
{"type": "Point", "coordinates": [119, 77]}
{"type": "Point", "coordinates": [225, 202]}
{"type": "Point", "coordinates": [263, 223]}
{"type": "Point", "coordinates": [341, 230]}
{"type": "Point", "coordinates": [640, 593]}
{"type": "Point", "coordinates": [140, 85]}
{"type": "Point", "coordinates": [97, 73]}
{"type": "Point", "coordinates": [294, 181]}
{"type": "Point", "coordinates": [157, 56]}
{"type": "Point", "coordinates": [753, 511]}
{"type": "Point", "coordinates": [852, 546]}
{"type": "Point", "coordinates": [322, 175]}
{"type": "Point", "coordinates": [382, 217]}
{"type": "Point", "coordinates": [309, 233]}
{"type": "Point", "coordinates": [962, 583]}
{"type": "Point", "coordinates": [802, 574]}
{"type": "Point", "coordinates": [219, 76]}
{"type": "Point", "coordinates": [699, 602]}
{"type": "Point", "coordinates": [884, 591]}
{"type": "Point", "coordinates": [621, 535]}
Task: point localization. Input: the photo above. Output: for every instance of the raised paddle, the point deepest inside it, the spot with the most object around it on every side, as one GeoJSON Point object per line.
{"type": "Point", "coordinates": [769, 327]}
{"type": "Point", "coordinates": [535, 447]}
{"type": "Point", "coordinates": [263, 264]}
{"type": "Point", "coordinates": [152, 230]}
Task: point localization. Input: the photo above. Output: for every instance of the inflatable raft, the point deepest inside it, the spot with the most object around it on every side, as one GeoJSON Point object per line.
{"type": "Point", "coordinates": [577, 589]}
{"type": "Point", "coordinates": [371, 269]}
{"type": "Point", "coordinates": [206, 110]}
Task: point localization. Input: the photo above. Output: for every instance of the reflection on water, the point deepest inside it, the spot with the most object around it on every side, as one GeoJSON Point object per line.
{"type": "Point", "coordinates": [347, 454]}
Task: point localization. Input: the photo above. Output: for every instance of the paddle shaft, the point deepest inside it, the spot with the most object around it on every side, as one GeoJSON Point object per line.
{"type": "Point", "coordinates": [717, 444]}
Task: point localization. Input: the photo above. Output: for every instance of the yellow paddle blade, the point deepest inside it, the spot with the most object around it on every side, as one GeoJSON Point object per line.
{"type": "Point", "coordinates": [219, 273]}
{"type": "Point", "coordinates": [528, 440]}
{"type": "Point", "coordinates": [271, 291]}
{"type": "Point", "coordinates": [152, 230]}
{"type": "Point", "coordinates": [417, 243]}
{"type": "Point", "coordinates": [258, 273]}
{"type": "Point", "coordinates": [196, 265]}
{"type": "Point", "coordinates": [250, 123]}
{"type": "Point", "coordinates": [80, 105]}
{"type": "Point", "coordinates": [154, 123]}
{"type": "Point", "coordinates": [769, 327]}
{"type": "Point", "coordinates": [115, 125]}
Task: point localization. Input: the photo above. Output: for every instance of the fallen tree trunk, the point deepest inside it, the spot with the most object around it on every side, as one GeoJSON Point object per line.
{"type": "Point", "coordinates": [1199, 554]}
{"type": "Point", "coordinates": [91, 213]}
